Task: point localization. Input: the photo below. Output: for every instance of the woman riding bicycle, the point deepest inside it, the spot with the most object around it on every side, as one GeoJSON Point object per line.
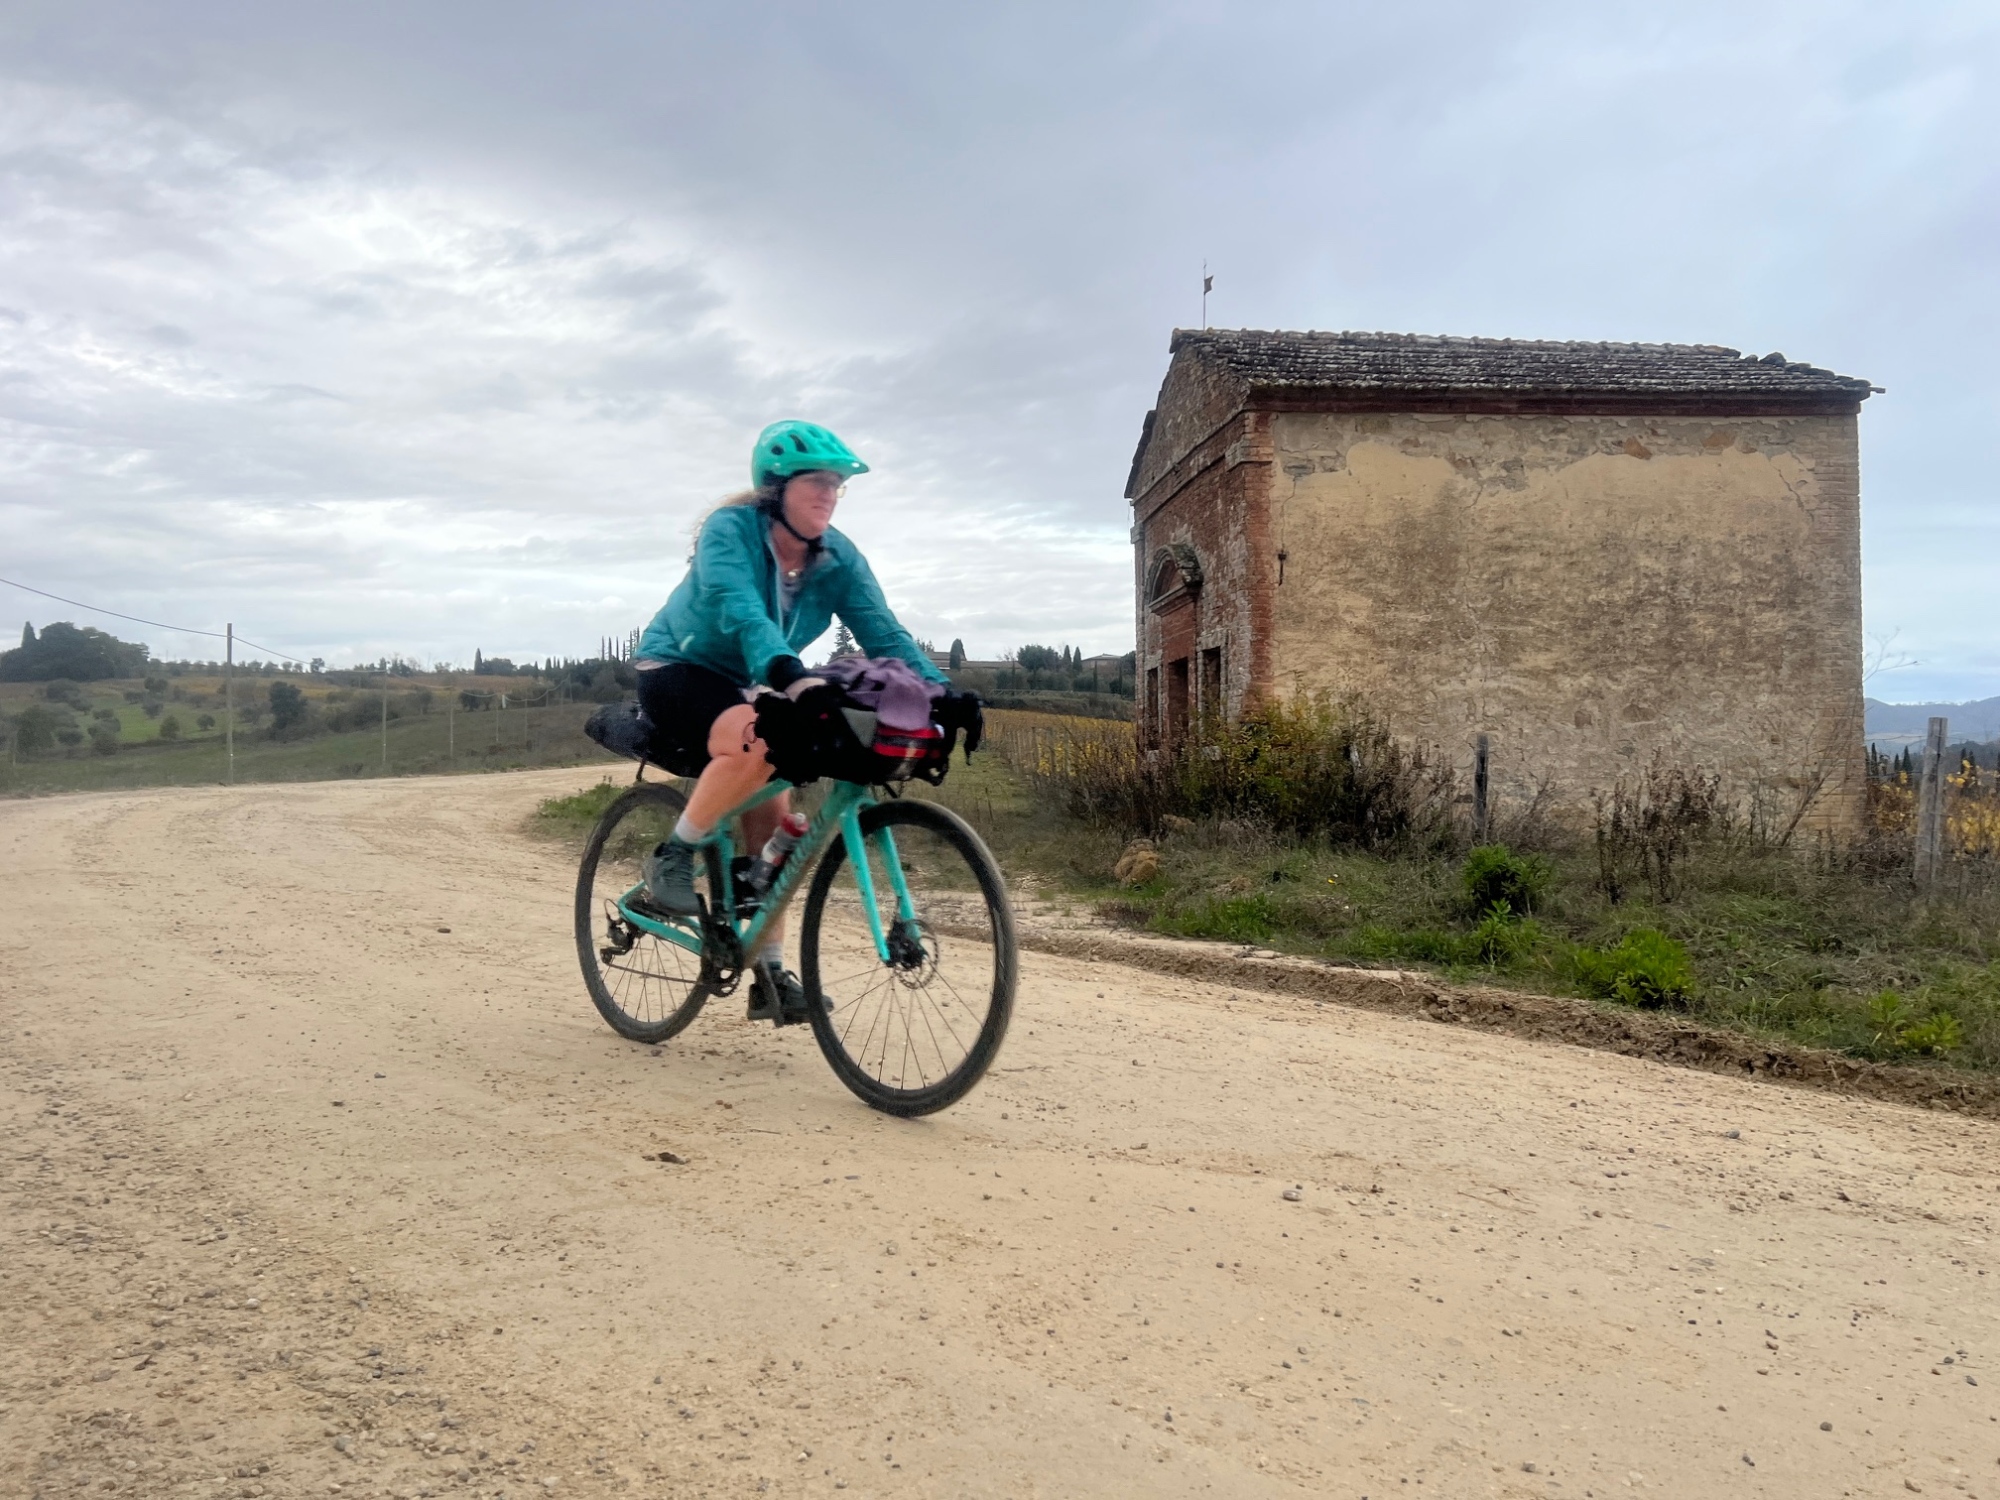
{"type": "Point", "coordinates": [768, 574]}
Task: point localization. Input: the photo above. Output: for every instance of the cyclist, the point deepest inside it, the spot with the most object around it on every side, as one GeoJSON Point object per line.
{"type": "Point", "coordinates": [767, 575]}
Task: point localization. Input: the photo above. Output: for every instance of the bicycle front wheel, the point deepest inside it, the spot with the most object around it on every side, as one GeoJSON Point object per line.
{"type": "Point", "coordinates": [646, 988]}
{"type": "Point", "coordinates": [913, 1034]}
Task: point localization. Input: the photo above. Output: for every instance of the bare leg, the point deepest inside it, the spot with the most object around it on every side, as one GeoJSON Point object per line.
{"type": "Point", "coordinates": [737, 767]}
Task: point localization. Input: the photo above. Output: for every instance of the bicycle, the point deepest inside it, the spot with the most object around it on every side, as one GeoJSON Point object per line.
{"type": "Point", "coordinates": [908, 968]}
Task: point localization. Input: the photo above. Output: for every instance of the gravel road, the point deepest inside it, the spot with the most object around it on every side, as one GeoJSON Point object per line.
{"type": "Point", "coordinates": [322, 1177]}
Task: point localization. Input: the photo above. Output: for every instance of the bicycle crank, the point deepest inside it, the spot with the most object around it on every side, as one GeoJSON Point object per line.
{"type": "Point", "coordinates": [721, 953]}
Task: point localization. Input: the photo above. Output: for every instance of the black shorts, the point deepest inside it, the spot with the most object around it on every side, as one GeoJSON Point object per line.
{"type": "Point", "coordinates": [684, 701]}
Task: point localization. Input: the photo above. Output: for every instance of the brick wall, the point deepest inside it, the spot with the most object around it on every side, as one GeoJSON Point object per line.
{"type": "Point", "coordinates": [1209, 503]}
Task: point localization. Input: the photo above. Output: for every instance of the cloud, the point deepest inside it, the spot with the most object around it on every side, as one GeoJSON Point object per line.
{"type": "Point", "coordinates": [311, 394]}
{"type": "Point", "coordinates": [420, 327]}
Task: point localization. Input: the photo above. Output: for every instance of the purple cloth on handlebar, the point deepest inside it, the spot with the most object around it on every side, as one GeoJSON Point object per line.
{"type": "Point", "coordinates": [888, 686]}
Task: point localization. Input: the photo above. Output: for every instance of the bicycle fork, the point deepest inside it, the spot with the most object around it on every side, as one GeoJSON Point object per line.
{"type": "Point", "coordinates": [903, 946]}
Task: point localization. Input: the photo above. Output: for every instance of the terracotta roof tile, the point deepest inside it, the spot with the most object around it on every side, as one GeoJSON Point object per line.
{"type": "Point", "coordinates": [1386, 362]}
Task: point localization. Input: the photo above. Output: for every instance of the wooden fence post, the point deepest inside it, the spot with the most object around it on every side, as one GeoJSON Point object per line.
{"type": "Point", "coordinates": [1930, 806]}
{"type": "Point", "coordinates": [1481, 748]}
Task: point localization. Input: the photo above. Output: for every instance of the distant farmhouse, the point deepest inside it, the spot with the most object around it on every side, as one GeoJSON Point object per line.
{"type": "Point", "coordinates": [1594, 553]}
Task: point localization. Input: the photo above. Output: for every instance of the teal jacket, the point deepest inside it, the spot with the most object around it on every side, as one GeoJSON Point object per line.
{"type": "Point", "coordinates": [724, 614]}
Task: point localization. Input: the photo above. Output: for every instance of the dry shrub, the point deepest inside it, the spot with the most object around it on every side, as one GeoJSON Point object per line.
{"type": "Point", "coordinates": [1646, 827]}
{"type": "Point", "coordinates": [1313, 767]}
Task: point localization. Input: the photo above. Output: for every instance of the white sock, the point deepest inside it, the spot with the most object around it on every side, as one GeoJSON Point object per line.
{"type": "Point", "coordinates": [770, 953]}
{"type": "Point", "coordinates": [688, 832]}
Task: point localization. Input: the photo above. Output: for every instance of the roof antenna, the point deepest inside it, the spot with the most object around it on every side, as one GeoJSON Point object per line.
{"type": "Point", "coordinates": [1207, 282]}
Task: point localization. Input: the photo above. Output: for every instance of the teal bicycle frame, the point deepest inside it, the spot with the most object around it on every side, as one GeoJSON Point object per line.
{"type": "Point", "coordinates": [840, 815]}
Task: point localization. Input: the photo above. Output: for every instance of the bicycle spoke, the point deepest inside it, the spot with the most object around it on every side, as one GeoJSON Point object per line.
{"type": "Point", "coordinates": [921, 1020]}
{"type": "Point", "coordinates": [956, 1040]}
{"type": "Point", "coordinates": [652, 988]}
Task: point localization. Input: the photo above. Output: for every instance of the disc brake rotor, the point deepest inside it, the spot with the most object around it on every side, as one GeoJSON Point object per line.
{"type": "Point", "coordinates": [913, 957]}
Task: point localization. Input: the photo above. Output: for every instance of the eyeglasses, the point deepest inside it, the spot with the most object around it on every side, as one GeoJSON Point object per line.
{"type": "Point", "coordinates": [823, 481]}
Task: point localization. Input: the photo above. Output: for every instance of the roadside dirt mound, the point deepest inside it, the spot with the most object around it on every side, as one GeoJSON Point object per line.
{"type": "Point", "coordinates": [1546, 1018]}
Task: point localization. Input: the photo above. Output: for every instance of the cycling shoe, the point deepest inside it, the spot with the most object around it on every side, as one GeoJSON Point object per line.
{"type": "Point", "coordinates": [777, 995]}
{"type": "Point", "coordinates": [669, 872]}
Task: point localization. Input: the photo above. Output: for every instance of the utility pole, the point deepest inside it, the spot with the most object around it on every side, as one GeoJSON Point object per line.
{"type": "Point", "coordinates": [1930, 806]}
{"type": "Point", "coordinates": [229, 700]}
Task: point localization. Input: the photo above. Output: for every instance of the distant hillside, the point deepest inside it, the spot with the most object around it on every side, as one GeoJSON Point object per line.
{"type": "Point", "coordinates": [1978, 720]}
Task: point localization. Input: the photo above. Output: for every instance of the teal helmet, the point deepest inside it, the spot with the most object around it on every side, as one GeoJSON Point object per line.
{"type": "Point", "coordinates": [787, 448]}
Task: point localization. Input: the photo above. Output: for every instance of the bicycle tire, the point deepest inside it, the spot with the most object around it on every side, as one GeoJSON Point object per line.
{"type": "Point", "coordinates": [866, 1022]}
{"type": "Point", "coordinates": [656, 996]}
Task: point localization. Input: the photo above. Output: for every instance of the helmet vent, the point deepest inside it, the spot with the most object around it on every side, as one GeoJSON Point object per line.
{"type": "Point", "coordinates": [792, 447]}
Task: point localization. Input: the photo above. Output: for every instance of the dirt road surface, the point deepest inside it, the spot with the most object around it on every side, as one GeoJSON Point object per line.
{"type": "Point", "coordinates": [321, 1177]}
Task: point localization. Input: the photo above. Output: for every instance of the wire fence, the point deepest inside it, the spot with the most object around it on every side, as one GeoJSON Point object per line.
{"type": "Point", "coordinates": [497, 700]}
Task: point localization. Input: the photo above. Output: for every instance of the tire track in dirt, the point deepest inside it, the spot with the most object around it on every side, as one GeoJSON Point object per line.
{"type": "Point", "coordinates": [165, 1335]}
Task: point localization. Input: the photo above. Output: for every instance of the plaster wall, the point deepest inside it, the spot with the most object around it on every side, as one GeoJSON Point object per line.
{"type": "Point", "coordinates": [1590, 590]}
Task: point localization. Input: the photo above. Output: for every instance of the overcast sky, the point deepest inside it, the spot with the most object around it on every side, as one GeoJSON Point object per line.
{"type": "Point", "coordinates": [414, 327]}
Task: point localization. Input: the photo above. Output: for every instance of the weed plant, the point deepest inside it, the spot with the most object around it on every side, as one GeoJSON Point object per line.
{"type": "Point", "coordinates": [1314, 767]}
{"type": "Point", "coordinates": [1307, 830]}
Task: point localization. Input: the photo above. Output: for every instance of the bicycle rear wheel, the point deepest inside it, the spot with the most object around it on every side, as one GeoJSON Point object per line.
{"type": "Point", "coordinates": [912, 1035]}
{"type": "Point", "coordinates": [646, 988]}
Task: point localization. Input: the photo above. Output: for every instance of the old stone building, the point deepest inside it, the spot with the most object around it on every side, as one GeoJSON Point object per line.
{"type": "Point", "coordinates": [1592, 553]}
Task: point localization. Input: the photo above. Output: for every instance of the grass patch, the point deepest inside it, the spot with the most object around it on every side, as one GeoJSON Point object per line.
{"type": "Point", "coordinates": [575, 815]}
{"type": "Point", "coordinates": [1713, 919]}
{"type": "Point", "coordinates": [1238, 919]}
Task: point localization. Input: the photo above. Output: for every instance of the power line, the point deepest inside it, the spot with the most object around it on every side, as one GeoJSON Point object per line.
{"type": "Point", "coordinates": [156, 624]}
{"type": "Point", "coordinates": [246, 641]}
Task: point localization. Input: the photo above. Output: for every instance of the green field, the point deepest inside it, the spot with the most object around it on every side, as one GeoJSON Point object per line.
{"type": "Point", "coordinates": [433, 737]}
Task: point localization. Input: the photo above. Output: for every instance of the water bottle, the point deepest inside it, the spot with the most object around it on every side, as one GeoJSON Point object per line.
{"type": "Point", "coordinates": [777, 848]}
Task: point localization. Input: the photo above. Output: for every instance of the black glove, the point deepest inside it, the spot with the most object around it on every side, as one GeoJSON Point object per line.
{"type": "Point", "coordinates": [784, 671]}
{"type": "Point", "coordinates": [957, 711]}
{"type": "Point", "coordinates": [807, 737]}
